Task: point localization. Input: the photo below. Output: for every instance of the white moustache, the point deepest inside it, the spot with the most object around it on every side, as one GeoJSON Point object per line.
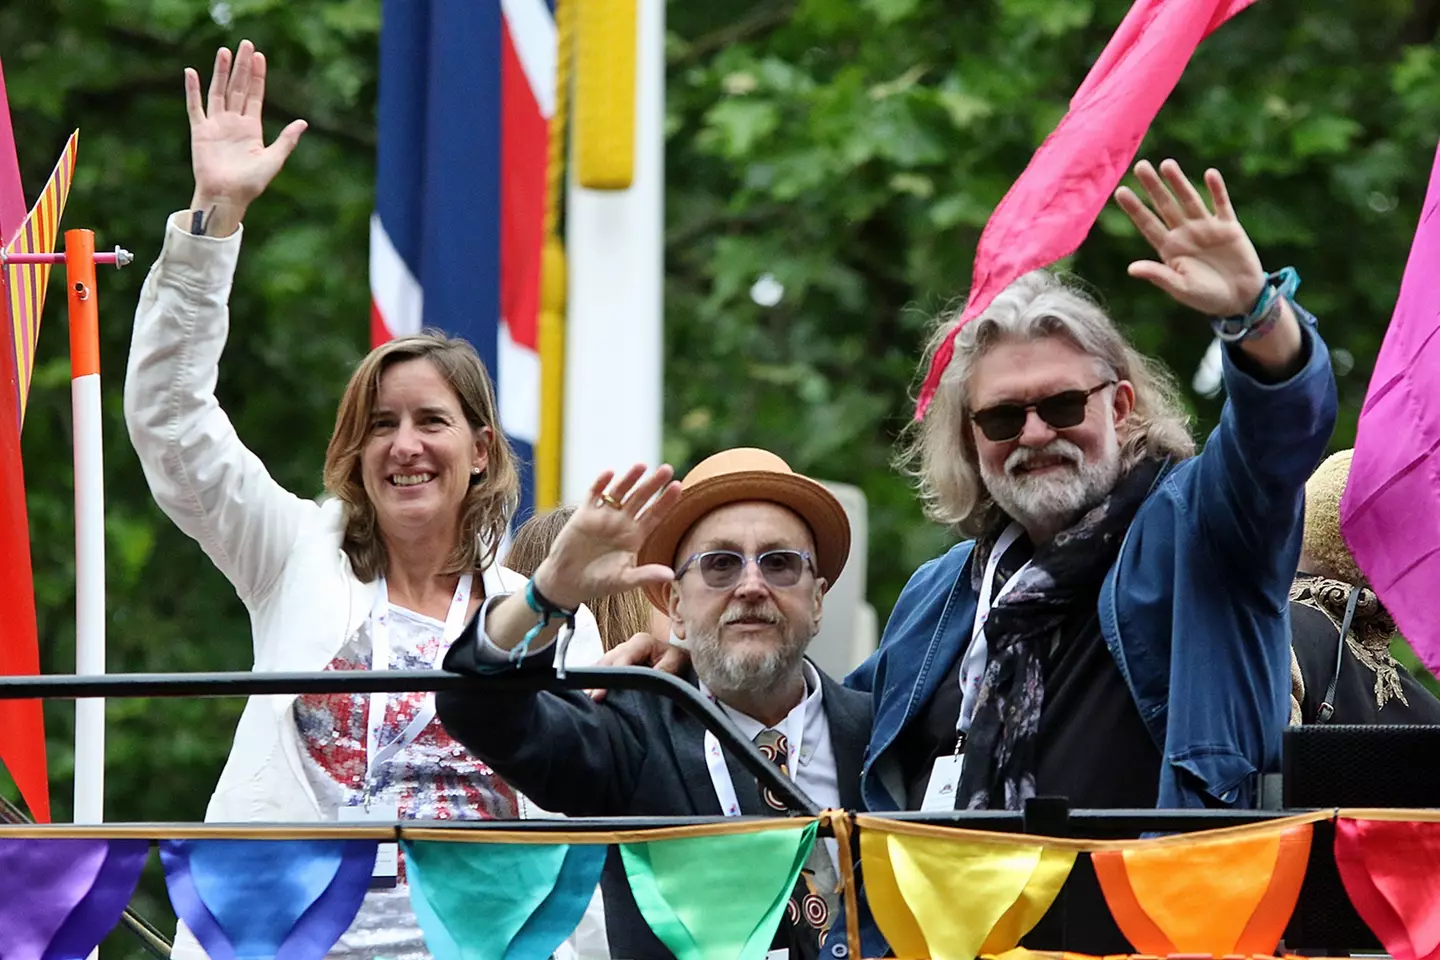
{"type": "Point", "coordinates": [1055, 449]}
{"type": "Point", "coordinates": [762, 615]}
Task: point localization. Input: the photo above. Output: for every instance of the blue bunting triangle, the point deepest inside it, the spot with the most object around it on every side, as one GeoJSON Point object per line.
{"type": "Point", "coordinates": [263, 899]}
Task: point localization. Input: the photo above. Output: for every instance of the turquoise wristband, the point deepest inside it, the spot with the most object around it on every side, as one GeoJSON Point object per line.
{"type": "Point", "coordinates": [1280, 285]}
{"type": "Point", "coordinates": [547, 611]}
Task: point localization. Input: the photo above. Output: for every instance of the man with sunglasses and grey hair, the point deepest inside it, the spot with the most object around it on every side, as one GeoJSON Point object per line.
{"type": "Point", "coordinates": [1114, 629]}
{"type": "Point", "coordinates": [739, 556]}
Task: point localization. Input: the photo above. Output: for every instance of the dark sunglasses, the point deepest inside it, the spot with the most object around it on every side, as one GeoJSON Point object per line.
{"type": "Point", "coordinates": [722, 569]}
{"type": "Point", "coordinates": [1006, 421]}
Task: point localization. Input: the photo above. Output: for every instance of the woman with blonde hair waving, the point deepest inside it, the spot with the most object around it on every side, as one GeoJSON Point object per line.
{"type": "Point", "coordinates": [382, 574]}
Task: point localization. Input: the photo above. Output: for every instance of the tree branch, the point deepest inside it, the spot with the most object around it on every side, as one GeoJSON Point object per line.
{"type": "Point", "coordinates": [762, 18]}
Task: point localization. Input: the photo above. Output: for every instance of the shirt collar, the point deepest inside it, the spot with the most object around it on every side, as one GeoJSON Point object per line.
{"type": "Point", "coordinates": [804, 712]}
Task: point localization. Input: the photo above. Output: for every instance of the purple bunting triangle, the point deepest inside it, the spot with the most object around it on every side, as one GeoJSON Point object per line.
{"type": "Point", "coordinates": [66, 894]}
{"type": "Point", "coordinates": [263, 899]}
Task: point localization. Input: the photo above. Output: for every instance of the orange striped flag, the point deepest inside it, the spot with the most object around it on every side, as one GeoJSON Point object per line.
{"type": "Point", "coordinates": [27, 282]}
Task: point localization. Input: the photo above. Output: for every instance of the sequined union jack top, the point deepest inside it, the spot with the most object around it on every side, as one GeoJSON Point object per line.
{"type": "Point", "coordinates": [432, 777]}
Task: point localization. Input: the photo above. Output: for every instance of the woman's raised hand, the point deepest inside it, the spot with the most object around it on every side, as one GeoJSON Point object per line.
{"type": "Point", "coordinates": [232, 164]}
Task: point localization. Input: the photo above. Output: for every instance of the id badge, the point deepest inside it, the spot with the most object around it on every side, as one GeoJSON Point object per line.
{"type": "Point", "coordinates": [944, 783]}
{"type": "Point", "coordinates": [782, 954]}
{"type": "Point", "coordinates": [387, 855]}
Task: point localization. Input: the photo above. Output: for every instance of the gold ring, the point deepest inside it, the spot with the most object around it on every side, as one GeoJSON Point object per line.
{"type": "Point", "coordinates": [606, 500]}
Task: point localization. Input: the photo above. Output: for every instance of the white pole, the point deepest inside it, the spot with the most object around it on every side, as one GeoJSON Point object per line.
{"type": "Point", "coordinates": [89, 521]}
{"type": "Point", "coordinates": [614, 337]}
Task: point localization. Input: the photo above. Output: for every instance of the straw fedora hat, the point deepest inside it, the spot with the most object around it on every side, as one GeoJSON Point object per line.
{"type": "Point", "coordinates": [743, 474]}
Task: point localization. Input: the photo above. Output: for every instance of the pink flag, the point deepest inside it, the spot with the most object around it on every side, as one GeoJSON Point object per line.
{"type": "Point", "coordinates": [1390, 513]}
{"type": "Point", "coordinates": [1050, 209]}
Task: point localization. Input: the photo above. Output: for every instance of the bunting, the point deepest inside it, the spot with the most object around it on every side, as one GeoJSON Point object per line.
{"type": "Point", "coordinates": [74, 893]}
{"type": "Point", "coordinates": [676, 881]}
{"type": "Point", "coordinates": [943, 893]}
{"type": "Point", "coordinates": [716, 890]}
{"type": "Point", "coordinates": [500, 901]}
{"type": "Point", "coordinates": [257, 899]}
{"type": "Point", "coordinates": [1230, 893]}
{"type": "Point", "coordinates": [1391, 872]}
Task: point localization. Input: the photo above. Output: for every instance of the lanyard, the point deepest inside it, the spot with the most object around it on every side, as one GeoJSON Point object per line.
{"type": "Point", "coordinates": [972, 668]}
{"type": "Point", "coordinates": [380, 660]}
{"type": "Point", "coordinates": [720, 772]}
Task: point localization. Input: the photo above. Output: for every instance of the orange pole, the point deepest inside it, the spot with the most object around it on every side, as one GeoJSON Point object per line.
{"type": "Point", "coordinates": [84, 308]}
{"type": "Point", "coordinates": [89, 519]}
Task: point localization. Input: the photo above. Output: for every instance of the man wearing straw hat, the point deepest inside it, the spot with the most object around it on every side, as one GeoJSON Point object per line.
{"type": "Point", "coordinates": [739, 556]}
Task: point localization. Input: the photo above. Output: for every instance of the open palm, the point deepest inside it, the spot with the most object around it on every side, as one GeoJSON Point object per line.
{"type": "Point", "coordinates": [594, 554]}
{"type": "Point", "coordinates": [227, 143]}
{"type": "Point", "coordinates": [1207, 261]}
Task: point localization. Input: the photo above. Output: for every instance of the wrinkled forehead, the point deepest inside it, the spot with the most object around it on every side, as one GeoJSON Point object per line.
{"type": "Point", "coordinates": [750, 526]}
{"type": "Point", "coordinates": [1023, 371]}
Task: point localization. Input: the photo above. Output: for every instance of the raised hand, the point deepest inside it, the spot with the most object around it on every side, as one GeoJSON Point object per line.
{"type": "Point", "coordinates": [1206, 259]}
{"type": "Point", "coordinates": [594, 554]}
{"type": "Point", "coordinates": [232, 164]}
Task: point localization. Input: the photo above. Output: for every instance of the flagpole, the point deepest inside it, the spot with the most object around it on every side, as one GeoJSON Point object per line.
{"type": "Point", "coordinates": [89, 520]}
{"type": "Point", "coordinates": [614, 340]}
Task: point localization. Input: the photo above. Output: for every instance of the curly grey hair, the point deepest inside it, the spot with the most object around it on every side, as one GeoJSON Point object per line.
{"type": "Point", "coordinates": [939, 451]}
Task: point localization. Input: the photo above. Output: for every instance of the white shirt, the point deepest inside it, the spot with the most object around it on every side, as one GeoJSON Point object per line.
{"type": "Point", "coordinates": [812, 757]}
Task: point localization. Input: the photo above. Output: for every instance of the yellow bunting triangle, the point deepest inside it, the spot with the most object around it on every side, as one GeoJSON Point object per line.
{"type": "Point", "coordinates": [946, 897]}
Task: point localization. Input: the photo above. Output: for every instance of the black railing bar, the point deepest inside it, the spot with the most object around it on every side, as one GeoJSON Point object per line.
{"type": "Point", "coordinates": [261, 830]}
{"type": "Point", "coordinates": [260, 683]}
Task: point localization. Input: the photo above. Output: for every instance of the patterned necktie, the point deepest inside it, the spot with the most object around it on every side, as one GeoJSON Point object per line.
{"type": "Point", "coordinates": [817, 891]}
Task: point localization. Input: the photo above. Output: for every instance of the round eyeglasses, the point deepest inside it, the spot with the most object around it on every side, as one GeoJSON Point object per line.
{"type": "Point", "coordinates": [722, 569]}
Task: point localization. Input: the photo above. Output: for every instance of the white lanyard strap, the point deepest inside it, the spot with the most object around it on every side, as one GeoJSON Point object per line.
{"type": "Point", "coordinates": [720, 772]}
{"type": "Point", "coordinates": [375, 754]}
{"type": "Point", "coordinates": [972, 668]}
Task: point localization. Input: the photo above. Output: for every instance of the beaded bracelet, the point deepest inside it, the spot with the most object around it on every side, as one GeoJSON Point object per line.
{"type": "Point", "coordinates": [1280, 285]}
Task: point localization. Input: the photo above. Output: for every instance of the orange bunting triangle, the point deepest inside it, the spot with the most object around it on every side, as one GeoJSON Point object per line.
{"type": "Point", "coordinates": [1229, 892]}
{"type": "Point", "coordinates": [26, 282]}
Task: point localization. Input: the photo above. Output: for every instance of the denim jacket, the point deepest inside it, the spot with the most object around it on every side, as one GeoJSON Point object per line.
{"type": "Point", "coordinates": [1195, 608]}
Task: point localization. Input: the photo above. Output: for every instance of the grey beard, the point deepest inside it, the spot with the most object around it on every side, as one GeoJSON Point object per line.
{"type": "Point", "coordinates": [1055, 502]}
{"type": "Point", "coordinates": [727, 674]}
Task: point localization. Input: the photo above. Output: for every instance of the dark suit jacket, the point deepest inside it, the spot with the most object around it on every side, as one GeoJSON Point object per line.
{"type": "Point", "coordinates": [633, 754]}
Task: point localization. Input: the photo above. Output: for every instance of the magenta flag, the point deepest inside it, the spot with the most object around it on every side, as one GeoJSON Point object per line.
{"type": "Point", "coordinates": [1390, 513]}
{"type": "Point", "coordinates": [1050, 209]}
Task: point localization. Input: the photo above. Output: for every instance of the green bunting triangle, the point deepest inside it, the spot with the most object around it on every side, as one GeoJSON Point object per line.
{"type": "Point", "coordinates": [717, 897]}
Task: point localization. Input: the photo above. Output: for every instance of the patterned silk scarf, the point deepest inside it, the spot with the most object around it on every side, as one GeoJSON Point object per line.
{"type": "Point", "coordinates": [1064, 574]}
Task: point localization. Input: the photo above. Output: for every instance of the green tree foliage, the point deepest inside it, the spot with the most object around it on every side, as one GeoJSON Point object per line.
{"type": "Point", "coordinates": [849, 149]}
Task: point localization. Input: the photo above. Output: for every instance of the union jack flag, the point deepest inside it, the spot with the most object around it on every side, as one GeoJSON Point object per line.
{"type": "Point", "coordinates": [467, 89]}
